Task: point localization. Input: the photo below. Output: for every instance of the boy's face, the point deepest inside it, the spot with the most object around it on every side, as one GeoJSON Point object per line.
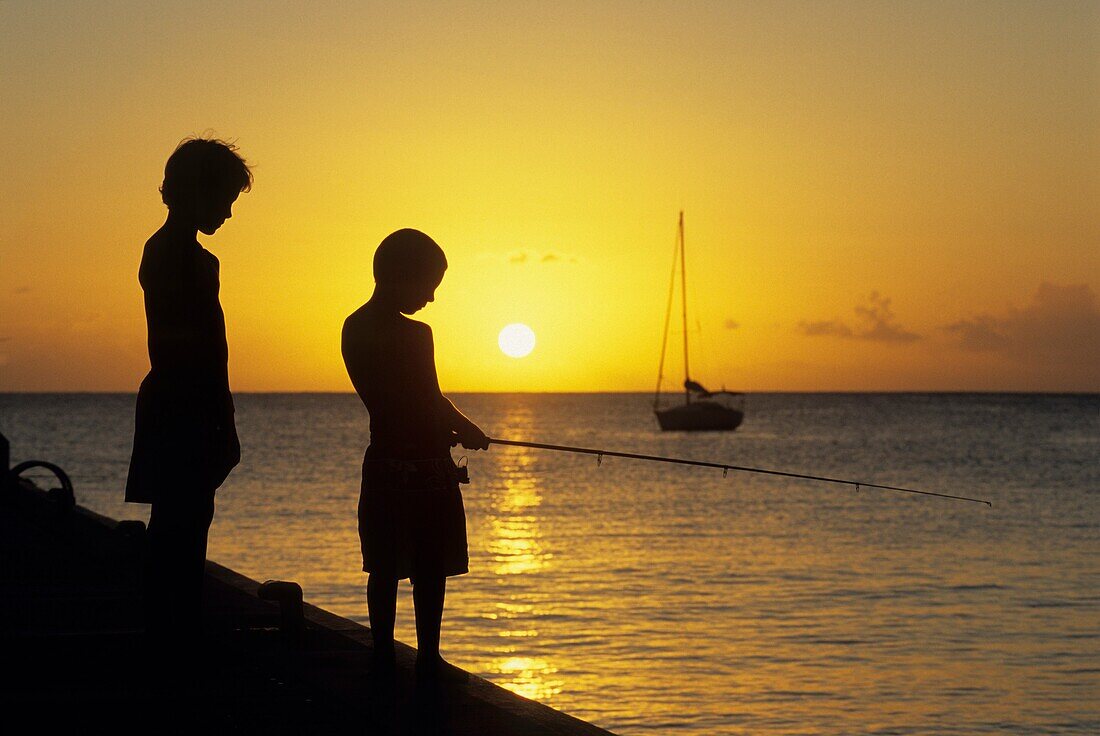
{"type": "Point", "coordinates": [414, 294]}
{"type": "Point", "coordinates": [213, 210]}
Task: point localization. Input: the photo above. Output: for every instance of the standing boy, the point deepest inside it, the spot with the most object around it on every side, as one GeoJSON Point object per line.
{"type": "Point", "coordinates": [185, 440]}
{"type": "Point", "coordinates": [411, 520]}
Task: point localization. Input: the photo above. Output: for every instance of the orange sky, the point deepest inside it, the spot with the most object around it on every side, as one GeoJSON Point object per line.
{"type": "Point", "coordinates": [878, 196]}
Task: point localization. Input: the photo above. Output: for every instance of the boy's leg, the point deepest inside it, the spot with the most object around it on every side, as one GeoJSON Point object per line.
{"type": "Point", "coordinates": [174, 576]}
{"type": "Point", "coordinates": [176, 561]}
{"type": "Point", "coordinates": [428, 595]}
{"type": "Point", "coordinates": [382, 609]}
{"type": "Point", "coordinates": [162, 538]}
{"type": "Point", "coordinates": [200, 517]}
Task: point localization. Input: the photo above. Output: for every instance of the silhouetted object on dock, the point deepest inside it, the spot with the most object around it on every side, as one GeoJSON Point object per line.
{"type": "Point", "coordinates": [701, 410]}
{"type": "Point", "coordinates": [411, 519]}
{"type": "Point", "coordinates": [185, 439]}
{"type": "Point", "coordinates": [62, 496]}
{"type": "Point", "coordinates": [289, 597]}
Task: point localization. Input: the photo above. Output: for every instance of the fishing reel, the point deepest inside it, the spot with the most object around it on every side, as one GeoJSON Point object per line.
{"type": "Point", "coordinates": [461, 471]}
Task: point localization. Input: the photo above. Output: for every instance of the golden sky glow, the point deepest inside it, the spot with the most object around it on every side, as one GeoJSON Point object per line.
{"type": "Point", "coordinates": [878, 196]}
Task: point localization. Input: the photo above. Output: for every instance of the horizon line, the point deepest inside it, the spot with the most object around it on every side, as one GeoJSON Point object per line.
{"type": "Point", "coordinates": [1020, 392]}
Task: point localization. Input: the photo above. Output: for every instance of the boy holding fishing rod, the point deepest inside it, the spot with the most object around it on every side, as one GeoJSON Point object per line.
{"type": "Point", "coordinates": [411, 520]}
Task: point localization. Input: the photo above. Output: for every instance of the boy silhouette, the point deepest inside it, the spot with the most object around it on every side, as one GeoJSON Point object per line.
{"type": "Point", "coordinates": [411, 520]}
{"type": "Point", "coordinates": [185, 440]}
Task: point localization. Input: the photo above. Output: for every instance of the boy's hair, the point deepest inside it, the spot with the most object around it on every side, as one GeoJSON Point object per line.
{"type": "Point", "coordinates": [200, 165]}
{"type": "Point", "coordinates": [406, 255]}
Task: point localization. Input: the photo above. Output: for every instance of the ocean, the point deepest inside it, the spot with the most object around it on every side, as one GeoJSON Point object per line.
{"type": "Point", "coordinates": [662, 599]}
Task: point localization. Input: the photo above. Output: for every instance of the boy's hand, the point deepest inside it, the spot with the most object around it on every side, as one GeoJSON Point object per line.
{"type": "Point", "coordinates": [472, 438]}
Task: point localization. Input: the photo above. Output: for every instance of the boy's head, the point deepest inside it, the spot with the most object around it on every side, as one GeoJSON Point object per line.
{"type": "Point", "coordinates": [202, 180]}
{"type": "Point", "coordinates": [409, 266]}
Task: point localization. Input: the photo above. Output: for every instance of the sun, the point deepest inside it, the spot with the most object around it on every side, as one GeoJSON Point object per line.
{"type": "Point", "coordinates": [516, 340]}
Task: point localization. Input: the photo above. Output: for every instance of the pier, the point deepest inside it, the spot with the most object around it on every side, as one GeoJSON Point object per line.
{"type": "Point", "coordinates": [75, 658]}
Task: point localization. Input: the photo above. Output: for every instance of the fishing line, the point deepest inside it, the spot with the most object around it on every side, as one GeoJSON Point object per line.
{"type": "Point", "coordinates": [726, 468]}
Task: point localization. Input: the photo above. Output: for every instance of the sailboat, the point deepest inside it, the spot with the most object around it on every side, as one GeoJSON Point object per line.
{"type": "Point", "coordinates": [702, 410]}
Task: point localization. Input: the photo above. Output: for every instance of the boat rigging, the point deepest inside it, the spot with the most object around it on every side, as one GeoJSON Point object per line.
{"type": "Point", "coordinates": [701, 410]}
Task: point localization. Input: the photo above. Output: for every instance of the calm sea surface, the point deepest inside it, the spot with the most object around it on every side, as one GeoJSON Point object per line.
{"type": "Point", "coordinates": [658, 599]}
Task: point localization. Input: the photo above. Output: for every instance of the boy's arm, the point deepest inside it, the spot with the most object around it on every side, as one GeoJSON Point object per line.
{"type": "Point", "coordinates": [168, 313]}
{"type": "Point", "coordinates": [465, 431]}
{"type": "Point", "coordinates": [353, 361]}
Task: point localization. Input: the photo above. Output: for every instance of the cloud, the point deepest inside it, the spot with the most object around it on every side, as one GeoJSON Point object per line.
{"type": "Point", "coordinates": [979, 334]}
{"type": "Point", "coordinates": [879, 319]}
{"type": "Point", "coordinates": [520, 257]}
{"type": "Point", "coordinates": [21, 290]}
{"type": "Point", "coordinates": [874, 321]}
{"type": "Point", "coordinates": [732, 324]}
{"type": "Point", "coordinates": [831, 327]}
{"type": "Point", "coordinates": [1060, 324]}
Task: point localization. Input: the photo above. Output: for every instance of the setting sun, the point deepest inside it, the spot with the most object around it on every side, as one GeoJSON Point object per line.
{"type": "Point", "coordinates": [516, 340]}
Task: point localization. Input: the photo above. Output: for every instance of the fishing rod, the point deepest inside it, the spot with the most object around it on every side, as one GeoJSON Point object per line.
{"type": "Point", "coordinates": [600, 454]}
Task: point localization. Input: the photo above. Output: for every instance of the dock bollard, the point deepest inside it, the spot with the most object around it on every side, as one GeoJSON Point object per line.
{"type": "Point", "coordinates": [291, 616]}
{"type": "Point", "coordinates": [132, 530]}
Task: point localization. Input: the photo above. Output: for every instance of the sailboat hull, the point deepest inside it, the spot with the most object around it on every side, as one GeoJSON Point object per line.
{"type": "Point", "coordinates": [699, 416]}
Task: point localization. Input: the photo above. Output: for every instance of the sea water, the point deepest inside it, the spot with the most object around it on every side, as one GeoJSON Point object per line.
{"type": "Point", "coordinates": [663, 599]}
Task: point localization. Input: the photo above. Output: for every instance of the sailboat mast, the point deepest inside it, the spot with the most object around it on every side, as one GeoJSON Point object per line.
{"type": "Point", "coordinates": [684, 309]}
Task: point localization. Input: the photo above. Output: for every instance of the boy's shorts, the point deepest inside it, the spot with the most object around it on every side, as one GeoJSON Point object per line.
{"type": "Point", "coordinates": [411, 519]}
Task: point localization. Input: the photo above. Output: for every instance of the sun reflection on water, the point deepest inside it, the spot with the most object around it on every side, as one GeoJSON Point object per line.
{"type": "Point", "coordinates": [530, 677]}
{"type": "Point", "coordinates": [515, 532]}
{"type": "Point", "coordinates": [515, 546]}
